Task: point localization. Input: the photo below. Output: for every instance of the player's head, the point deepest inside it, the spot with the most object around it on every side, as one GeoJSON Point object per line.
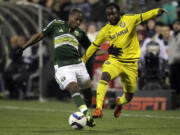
{"type": "Point", "coordinates": [166, 30]}
{"type": "Point", "coordinates": [176, 25]}
{"type": "Point", "coordinates": [75, 18]}
{"type": "Point", "coordinates": [113, 13]}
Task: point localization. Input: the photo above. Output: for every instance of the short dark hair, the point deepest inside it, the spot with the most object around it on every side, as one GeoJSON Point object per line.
{"type": "Point", "coordinates": [160, 23]}
{"type": "Point", "coordinates": [166, 25]}
{"type": "Point", "coordinates": [113, 5]}
{"type": "Point", "coordinates": [176, 21]}
{"type": "Point", "coordinates": [74, 11]}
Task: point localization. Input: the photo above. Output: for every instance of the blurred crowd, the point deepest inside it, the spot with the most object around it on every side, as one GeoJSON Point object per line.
{"type": "Point", "coordinates": [159, 41]}
{"type": "Point", "coordinates": [62, 7]}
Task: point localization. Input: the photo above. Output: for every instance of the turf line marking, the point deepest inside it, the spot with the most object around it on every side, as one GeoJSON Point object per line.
{"type": "Point", "coordinates": [30, 109]}
{"type": "Point", "coordinates": [55, 110]}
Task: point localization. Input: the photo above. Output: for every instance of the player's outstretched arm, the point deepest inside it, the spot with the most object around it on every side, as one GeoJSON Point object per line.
{"type": "Point", "coordinates": [33, 40]}
{"type": "Point", "coordinates": [152, 13]}
{"type": "Point", "coordinates": [89, 52]}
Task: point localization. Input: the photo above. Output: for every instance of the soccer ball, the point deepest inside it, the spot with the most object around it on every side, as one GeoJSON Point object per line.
{"type": "Point", "coordinates": [77, 120]}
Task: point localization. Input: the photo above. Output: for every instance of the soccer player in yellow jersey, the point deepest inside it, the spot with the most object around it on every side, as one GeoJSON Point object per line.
{"type": "Point", "coordinates": [124, 53]}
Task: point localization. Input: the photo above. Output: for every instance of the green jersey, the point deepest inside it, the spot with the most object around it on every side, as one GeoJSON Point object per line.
{"type": "Point", "coordinates": [66, 42]}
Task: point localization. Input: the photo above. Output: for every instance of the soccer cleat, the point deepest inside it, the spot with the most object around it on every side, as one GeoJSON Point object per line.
{"type": "Point", "coordinates": [90, 120]}
{"type": "Point", "coordinates": [117, 109]}
{"type": "Point", "coordinates": [97, 113]}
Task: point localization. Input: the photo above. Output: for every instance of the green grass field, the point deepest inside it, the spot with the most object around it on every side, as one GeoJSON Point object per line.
{"type": "Point", "coordinates": [51, 118]}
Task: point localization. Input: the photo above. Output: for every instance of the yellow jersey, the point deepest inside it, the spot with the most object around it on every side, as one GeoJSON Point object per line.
{"type": "Point", "coordinates": [122, 36]}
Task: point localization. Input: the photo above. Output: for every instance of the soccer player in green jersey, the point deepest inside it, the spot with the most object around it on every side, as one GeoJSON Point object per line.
{"type": "Point", "coordinates": [124, 53]}
{"type": "Point", "coordinates": [70, 71]}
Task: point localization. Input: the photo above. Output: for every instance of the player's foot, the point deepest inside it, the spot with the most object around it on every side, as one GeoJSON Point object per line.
{"type": "Point", "coordinates": [90, 120]}
{"type": "Point", "coordinates": [117, 109]}
{"type": "Point", "coordinates": [97, 113]}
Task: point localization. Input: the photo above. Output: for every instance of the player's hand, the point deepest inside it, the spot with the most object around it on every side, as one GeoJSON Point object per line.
{"type": "Point", "coordinates": [18, 53]}
{"type": "Point", "coordinates": [161, 11]}
{"type": "Point", "coordinates": [115, 51]}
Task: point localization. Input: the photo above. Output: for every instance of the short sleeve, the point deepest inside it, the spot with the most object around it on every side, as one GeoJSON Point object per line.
{"type": "Point", "coordinates": [49, 28]}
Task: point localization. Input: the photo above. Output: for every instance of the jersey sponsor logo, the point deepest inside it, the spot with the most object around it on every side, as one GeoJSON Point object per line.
{"type": "Point", "coordinates": [122, 24]}
{"type": "Point", "coordinates": [66, 39]}
{"type": "Point", "coordinates": [117, 34]}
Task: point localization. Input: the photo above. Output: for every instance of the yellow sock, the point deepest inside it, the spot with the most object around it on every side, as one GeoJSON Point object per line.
{"type": "Point", "coordinates": [123, 100]}
{"type": "Point", "coordinates": [101, 92]}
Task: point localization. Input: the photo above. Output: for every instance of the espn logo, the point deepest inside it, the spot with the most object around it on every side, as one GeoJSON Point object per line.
{"type": "Point", "coordinates": [147, 103]}
{"type": "Point", "coordinates": [139, 103]}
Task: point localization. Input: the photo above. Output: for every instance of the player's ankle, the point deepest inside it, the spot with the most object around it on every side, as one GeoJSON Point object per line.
{"type": "Point", "coordinates": [99, 108]}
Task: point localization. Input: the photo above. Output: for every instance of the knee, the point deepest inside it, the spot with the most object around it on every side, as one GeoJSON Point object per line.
{"type": "Point", "coordinates": [85, 84]}
{"type": "Point", "coordinates": [106, 76]}
{"type": "Point", "coordinates": [72, 87]}
{"type": "Point", "coordinates": [129, 96]}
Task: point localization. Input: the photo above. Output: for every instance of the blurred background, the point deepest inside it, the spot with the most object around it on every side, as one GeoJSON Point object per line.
{"type": "Point", "coordinates": [32, 76]}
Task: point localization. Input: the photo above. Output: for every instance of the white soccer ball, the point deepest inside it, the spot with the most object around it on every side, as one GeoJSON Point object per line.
{"type": "Point", "coordinates": [77, 120]}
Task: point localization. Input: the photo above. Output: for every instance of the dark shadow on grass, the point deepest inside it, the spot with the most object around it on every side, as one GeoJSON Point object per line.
{"type": "Point", "coordinates": [21, 127]}
{"type": "Point", "coordinates": [81, 132]}
{"type": "Point", "coordinates": [94, 131]}
{"type": "Point", "coordinates": [87, 131]}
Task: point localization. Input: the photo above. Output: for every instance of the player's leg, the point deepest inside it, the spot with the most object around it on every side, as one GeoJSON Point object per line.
{"type": "Point", "coordinates": [120, 101]}
{"type": "Point", "coordinates": [129, 80]}
{"type": "Point", "coordinates": [108, 73]}
{"type": "Point", "coordinates": [73, 88]}
{"type": "Point", "coordinates": [84, 83]}
{"type": "Point", "coordinates": [66, 78]}
{"type": "Point", "coordinates": [87, 94]}
{"type": "Point", "coordinates": [100, 94]}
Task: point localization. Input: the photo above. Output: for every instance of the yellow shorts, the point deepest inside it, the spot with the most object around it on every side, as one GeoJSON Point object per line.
{"type": "Point", "coordinates": [128, 73]}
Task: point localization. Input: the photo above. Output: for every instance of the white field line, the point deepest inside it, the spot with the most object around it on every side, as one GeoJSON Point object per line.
{"type": "Point", "coordinates": [30, 109]}
{"type": "Point", "coordinates": [55, 110]}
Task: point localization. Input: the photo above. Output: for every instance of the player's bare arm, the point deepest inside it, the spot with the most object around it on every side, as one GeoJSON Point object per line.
{"type": "Point", "coordinates": [161, 11]}
{"type": "Point", "coordinates": [34, 39]}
